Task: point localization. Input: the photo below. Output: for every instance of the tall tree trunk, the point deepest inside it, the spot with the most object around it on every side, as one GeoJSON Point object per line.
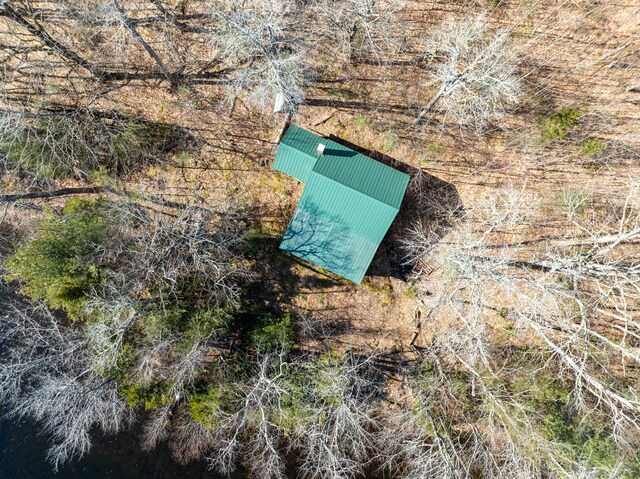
{"type": "Point", "coordinates": [134, 31]}
{"type": "Point", "coordinates": [159, 5]}
{"type": "Point", "coordinates": [22, 17]}
{"type": "Point", "coordinates": [50, 194]}
{"type": "Point", "coordinates": [173, 18]}
{"type": "Point", "coordinates": [432, 102]}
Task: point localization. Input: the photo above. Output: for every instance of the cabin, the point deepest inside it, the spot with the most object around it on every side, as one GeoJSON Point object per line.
{"type": "Point", "coordinates": [347, 206]}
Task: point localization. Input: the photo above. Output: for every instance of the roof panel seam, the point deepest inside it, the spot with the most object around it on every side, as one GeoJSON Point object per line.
{"type": "Point", "coordinates": [396, 208]}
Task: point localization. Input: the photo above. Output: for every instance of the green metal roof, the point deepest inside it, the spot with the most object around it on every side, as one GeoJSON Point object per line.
{"type": "Point", "coordinates": [347, 206]}
{"type": "Point", "coordinates": [296, 155]}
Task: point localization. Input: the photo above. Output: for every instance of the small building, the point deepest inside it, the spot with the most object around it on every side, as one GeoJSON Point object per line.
{"type": "Point", "coordinates": [347, 206]}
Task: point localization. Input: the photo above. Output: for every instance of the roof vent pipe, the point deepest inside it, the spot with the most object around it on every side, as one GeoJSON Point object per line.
{"type": "Point", "coordinates": [320, 149]}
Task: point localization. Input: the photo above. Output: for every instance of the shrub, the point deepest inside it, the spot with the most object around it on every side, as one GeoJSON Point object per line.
{"type": "Point", "coordinates": [589, 443]}
{"type": "Point", "coordinates": [539, 386]}
{"type": "Point", "coordinates": [205, 408]}
{"type": "Point", "coordinates": [58, 266]}
{"type": "Point", "coordinates": [273, 332]}
{"type": "Point", "coordinates": [555, 126]}
{"type": "Point", "coordinates": [434, 149]}
{"type": "Point", "coordinates": [150, 396]}
{"type": "Point", "coordinates": [136, 142]}
{"type": "Point", "coordinates": [592, 148]}
{"type": "Point", "coordinates": [362, 121]}
{"type": "Point", "coordinates": [191, 323]}
{"type": "Point", "coordinates": [203, 323]}
{"type": "Point", "coordinates": [160, 321]}
{"type": "Point", "coordinates": [327, 381]}
{"type": "Point", "coordinates": [574, 201]}
{"type": "Point", "coordinates": [410, 293]}
{"type": "Point", "coordinates": [183, 159]}
{"type": "Point", "coordinates": [389, 141]}
{"type": "Point", "coordinates": [296, 407]}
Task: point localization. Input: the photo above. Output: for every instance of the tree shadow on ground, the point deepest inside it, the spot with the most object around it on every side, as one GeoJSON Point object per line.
{"type": "Point", "coordinates": [60, 141]}
{"type": "Point", "coordinates": [429, 201]}
{"type": "Point", "coordinates": [280, 274]}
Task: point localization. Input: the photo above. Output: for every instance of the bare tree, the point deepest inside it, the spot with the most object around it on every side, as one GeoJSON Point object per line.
{"type": "Point", "coordinates": [23, 13]}
{"type": "Point", "coordinates": [64, 376]}
{"type": "Point", "coordinates": [434, 433]}
{"type": "Point", "coordinates": [567, 294]}
{"type": "Point", "coordinates": [156, 429]}
{"type": "Point", "coordinates": [114, 314]}
{"type": "Point", "coordinates": [48, 143]}
{"type": "Point", "coordinates": [261, 41]}
{"type": "Point", "coordinates": [251, 432]}
{"type": "Point", "coordinates": [161, 254]}
{"type": "Point", "coordinates": [59, 141]}
{"type": "Point", "coordinates": [418, 439]}
{"type": "Point", "coordinates": [361, 28]}
{"type": "Point", "coordinates": [338, 441]}
{"type": "Point", "coordinates": [121, 16]}
{"type": "Point", "coordinates": [198, 245]}
{"type": "Point", "coordinates": [475, 76]}
{"type": "Point", "coordinates": [45, 374]}
{"type": "Point", "coordinates": [189, 439]}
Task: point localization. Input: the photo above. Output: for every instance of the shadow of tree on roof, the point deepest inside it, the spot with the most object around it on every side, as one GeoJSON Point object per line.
{"type": "Point", "coordinates": [315, 237]}
{"type": "Point", "coordinates": [281, 261]}
{"type": "Point", "coordinates": [429, 200]}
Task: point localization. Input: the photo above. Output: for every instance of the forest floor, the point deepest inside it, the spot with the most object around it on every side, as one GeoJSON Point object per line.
{"type": "Point", "coordinates": [581, 54]}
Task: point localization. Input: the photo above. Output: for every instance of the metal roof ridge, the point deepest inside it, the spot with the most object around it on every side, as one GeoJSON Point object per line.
{"type": "Point", "coordinates": [298, 150]}
{"type": "Point", "coordinates": [313, 170]}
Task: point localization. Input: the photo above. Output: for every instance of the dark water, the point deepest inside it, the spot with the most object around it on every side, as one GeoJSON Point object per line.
{"type": "Point", "coordinates": [23, 456]}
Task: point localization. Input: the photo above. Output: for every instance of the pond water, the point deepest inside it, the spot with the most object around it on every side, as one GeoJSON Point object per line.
{"type": "Point", "coordinates": [23, 456]}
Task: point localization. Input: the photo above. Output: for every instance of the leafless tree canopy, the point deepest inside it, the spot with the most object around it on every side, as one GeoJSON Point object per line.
{"type": "Point", "coordinates": [476, 72]}
{"type": "Point", "coordinates": [194, 253]}
{"type": "Point", "coordinates": [264, 41]}
{"type": "Point", "coordinates": [57, 143]}
{"type": "Point", "coordinates": [46, 374]}
{"type": "Point", "coordinates": [568, 296]}
{"type": "Point", "coordinates": [361, 29]}
{"type": "Point", "coordinates": [70, 377]}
